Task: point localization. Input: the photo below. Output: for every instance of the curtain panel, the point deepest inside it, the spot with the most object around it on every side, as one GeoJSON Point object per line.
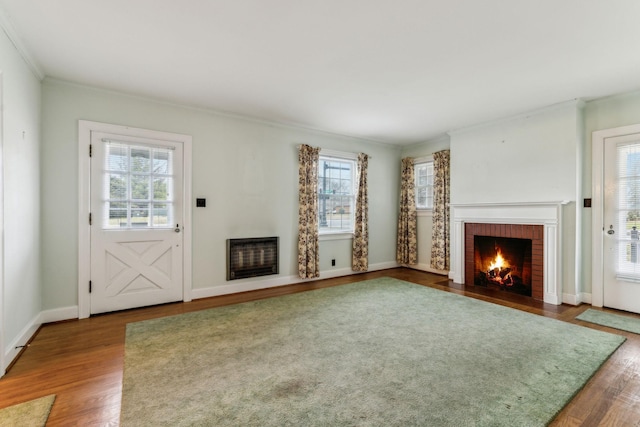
{"type": "Point", "coordinates": [407, 245]}
{"type": "Point", "coordinates": [360, 254]}
{"type": "Point", "coordinates": [308, 255]}
{"type": "Point", "coordinates": [440, 232]}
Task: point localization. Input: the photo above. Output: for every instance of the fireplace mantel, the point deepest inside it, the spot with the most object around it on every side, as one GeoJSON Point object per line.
{"type": "Point", "coordinates": [547, 214]}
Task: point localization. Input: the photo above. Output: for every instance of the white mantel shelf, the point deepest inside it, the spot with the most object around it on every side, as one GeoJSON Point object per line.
{"type": "Point", "coordinates": [547, 214]}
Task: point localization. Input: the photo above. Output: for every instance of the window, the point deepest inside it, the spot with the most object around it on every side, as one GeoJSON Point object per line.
{"type": "Point", "coordinates": [336, 193]}
{"type": "Point", "coordinates": [138, 184]}
{"type": "Point", "coordinates": [423, 175]}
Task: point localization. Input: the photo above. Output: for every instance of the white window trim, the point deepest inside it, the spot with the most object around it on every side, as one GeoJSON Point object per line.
{"type": "Point", "coordinates": [335, 236]}
{"type": "Point", "coordinates": [418, 160]}
{"type": "Point", "coordinates": [326, 235]}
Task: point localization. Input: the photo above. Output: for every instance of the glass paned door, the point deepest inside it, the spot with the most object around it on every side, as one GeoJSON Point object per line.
{"type": "Point", "coordinates": [621, 214]}
{"type": "Point", "coordinates": [136, 236]}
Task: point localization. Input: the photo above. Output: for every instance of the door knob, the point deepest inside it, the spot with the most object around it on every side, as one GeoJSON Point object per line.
{"type": "Point", "coordinates": [611, 230]}
{"type": "Point", "coordinates": [177, 229]}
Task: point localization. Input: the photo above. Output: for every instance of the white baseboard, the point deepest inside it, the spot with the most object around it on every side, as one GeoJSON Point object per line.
{"type": "Point", "coordinates": [245, 285]}
{"type": "Point", "coordinates": [59, 314]}
{"type": "Point", "coordinates": [577, 299]}
{"type": "Point", "coordinates": [47, 316]}
{"type": "Point", "coordinates": [14, 347]}
{"type": "Point", "coordinates": [586, 297]}
{"type": "Point", "coordinates": [428, 269]}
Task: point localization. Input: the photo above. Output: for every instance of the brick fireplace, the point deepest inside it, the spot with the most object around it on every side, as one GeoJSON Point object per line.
{"type": "Point", "coordinates": [540, 221]}
{"type": "Point", "coordinates": [531, 270]}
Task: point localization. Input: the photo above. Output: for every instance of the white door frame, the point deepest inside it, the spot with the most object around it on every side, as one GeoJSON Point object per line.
{"type": "Point", "coordinates": [598, 139]}
{"type": "Point", "coordinates": [2, 319]}
{"type": "Point", "coordinates": [84, 190]}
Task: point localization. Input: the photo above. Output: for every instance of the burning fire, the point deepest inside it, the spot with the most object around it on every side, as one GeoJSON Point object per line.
{"type": "Point", "coordinates": [498, 272]}
{"type": "Point", "coordinates": [498, 262]}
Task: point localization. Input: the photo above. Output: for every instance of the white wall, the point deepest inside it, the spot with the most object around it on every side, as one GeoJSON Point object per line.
{"type": "Point", "coordinates": [247, 171]}
{"type": "Point", "coordinates": [527, 158]}
{"type": "Point", "coordinates": [21, 157]}
{"type": "Point", "coordinates": [425, 218]}
{"type": "Point", "coordinates": [530, 158]}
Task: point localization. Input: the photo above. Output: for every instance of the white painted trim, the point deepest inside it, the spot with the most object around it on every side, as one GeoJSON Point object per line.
{"type": "Point", "coordinates": [428, 269]}
{"type": "Point", "coordinates": [597, 206]}
{"type": "Point", "coordinates": [425, 212]}
{"type": "Point", "coordinates": [2, 180]}
{"type": "Point", "coordinates": [58, 314]}
{"type": "Point", "coordinates": [245, 285]}
{"type": "Point", "coordinates": [572, 299]}
{"type": "Point", "coordinates": [12, 34]}
{"type": "Point", "coordinates": [84, 191]}
{"type": "Point", "coordinates": [13, 349]}
{"type": "Point", "coordinates": [547, 214]}
{"type": "Point", "coordinates": [334, 236]}
{"type": "Point", "coordinates": [423, 159]}
{"type": "Point", "coordinates": [585, 297]}
{"type": "Point", "coordinates": [324, 152]}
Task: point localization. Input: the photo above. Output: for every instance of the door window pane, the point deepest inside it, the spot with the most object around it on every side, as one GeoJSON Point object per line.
{"type": "Point", "coordinates": [628, 227]}
{"type": "Point", "coordinates": [134, 177]}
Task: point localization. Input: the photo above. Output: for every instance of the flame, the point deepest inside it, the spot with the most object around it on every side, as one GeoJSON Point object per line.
{"type": "Point", "coordinates": [498, 262]}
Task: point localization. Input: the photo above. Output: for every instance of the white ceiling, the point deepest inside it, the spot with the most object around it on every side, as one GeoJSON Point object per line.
{"type": "Point", "coordinates": [396, 71]}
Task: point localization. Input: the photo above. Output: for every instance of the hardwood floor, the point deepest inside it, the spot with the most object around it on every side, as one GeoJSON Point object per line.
{"type": "Point", "coordinates": [81, 361]}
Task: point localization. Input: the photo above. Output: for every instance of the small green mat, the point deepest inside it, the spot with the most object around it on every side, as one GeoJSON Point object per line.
{"type": "Point", "coordinates": [33, 413]}
{"type": "Point", "coordinates": [611, 320]}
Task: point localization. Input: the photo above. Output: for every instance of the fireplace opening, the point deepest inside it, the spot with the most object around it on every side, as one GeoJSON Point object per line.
{"type": "Point", "coordinates": [503, 263]}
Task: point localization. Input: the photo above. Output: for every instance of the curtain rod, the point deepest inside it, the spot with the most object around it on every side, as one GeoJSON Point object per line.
{"type": "Point", "coordinates": [336, 153]}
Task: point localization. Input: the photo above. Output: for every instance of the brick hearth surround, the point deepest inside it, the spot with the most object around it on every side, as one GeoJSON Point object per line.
{"type": "Point", "coordinates": [520, 231]}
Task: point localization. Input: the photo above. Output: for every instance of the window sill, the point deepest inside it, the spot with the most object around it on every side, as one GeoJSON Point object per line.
{"type": "Point", "coordinates": [335, 236]}
{"type": "Point", "coordinates": [425, 212]}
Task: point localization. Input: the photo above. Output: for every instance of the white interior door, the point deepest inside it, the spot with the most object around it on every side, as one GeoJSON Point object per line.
{"type": "Point", "coordinates": [136, 222]}
{"type": "Point", "coordinates": [621, 219]}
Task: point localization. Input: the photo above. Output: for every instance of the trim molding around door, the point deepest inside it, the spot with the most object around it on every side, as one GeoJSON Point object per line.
{"type": "Point", "coordinates": [84, 192]}
{"type": "Point", "coordinates": [3, 359]}
{"type": "Point", "coordinates": [598, 139]}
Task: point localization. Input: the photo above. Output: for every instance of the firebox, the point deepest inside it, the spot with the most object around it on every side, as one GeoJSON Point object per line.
{"type": "Point", "coordinates": [527, 265]}
{"type": "Point", "coordinates": [503, 263]}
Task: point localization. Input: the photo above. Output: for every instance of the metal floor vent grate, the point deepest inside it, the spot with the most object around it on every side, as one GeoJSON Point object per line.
{"type": "Point", "coordinates": [252, 257]}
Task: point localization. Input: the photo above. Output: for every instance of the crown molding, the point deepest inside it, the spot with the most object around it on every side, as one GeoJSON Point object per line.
{"type": "Point", "coordinates": [12, 34]}
{"type": "Point", "coordinates": [577, 103]}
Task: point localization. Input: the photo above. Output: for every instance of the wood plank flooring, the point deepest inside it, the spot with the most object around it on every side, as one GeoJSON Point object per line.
{"type": "Point", "coordinates": [81, 361]}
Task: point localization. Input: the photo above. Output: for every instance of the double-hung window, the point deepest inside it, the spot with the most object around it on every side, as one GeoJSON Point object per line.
{"type": "Point", "coordinates": [336, 192]}
{"type": "Point", "coordinates": [423, 175]}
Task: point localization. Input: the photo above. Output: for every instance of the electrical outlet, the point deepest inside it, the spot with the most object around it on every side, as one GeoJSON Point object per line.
{"type": "Point", "coordinates": [333, 263]}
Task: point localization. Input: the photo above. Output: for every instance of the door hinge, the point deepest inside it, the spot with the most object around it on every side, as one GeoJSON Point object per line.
{"type": "Point", "coordinates": [90, 150]}
{"type": "Point", "coordinates": [89, 286]}
{"type": "Point", "coordinates": [90, 219]}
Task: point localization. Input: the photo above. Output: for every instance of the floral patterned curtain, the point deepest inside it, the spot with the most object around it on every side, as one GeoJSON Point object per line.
{"type": "Point", "coordinates": [360, 255]}
{"type": "Point", "coordinates": [308, 255]}
{"type": "Point", "coordinates": [407, 247]}
{"type": "Point", "coordinates": [440, 231]}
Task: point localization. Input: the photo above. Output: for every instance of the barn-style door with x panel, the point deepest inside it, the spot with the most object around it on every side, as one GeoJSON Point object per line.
{"type": "Point", "coordinates": [136, 222]}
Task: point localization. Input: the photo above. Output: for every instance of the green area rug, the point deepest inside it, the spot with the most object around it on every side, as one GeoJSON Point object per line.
{"type": "Point", "coordinates": [616, 321]}
{"type": "Point", "coordinates": [381, 352]}
{"type": "Point", "coordinates": [33, 413]}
